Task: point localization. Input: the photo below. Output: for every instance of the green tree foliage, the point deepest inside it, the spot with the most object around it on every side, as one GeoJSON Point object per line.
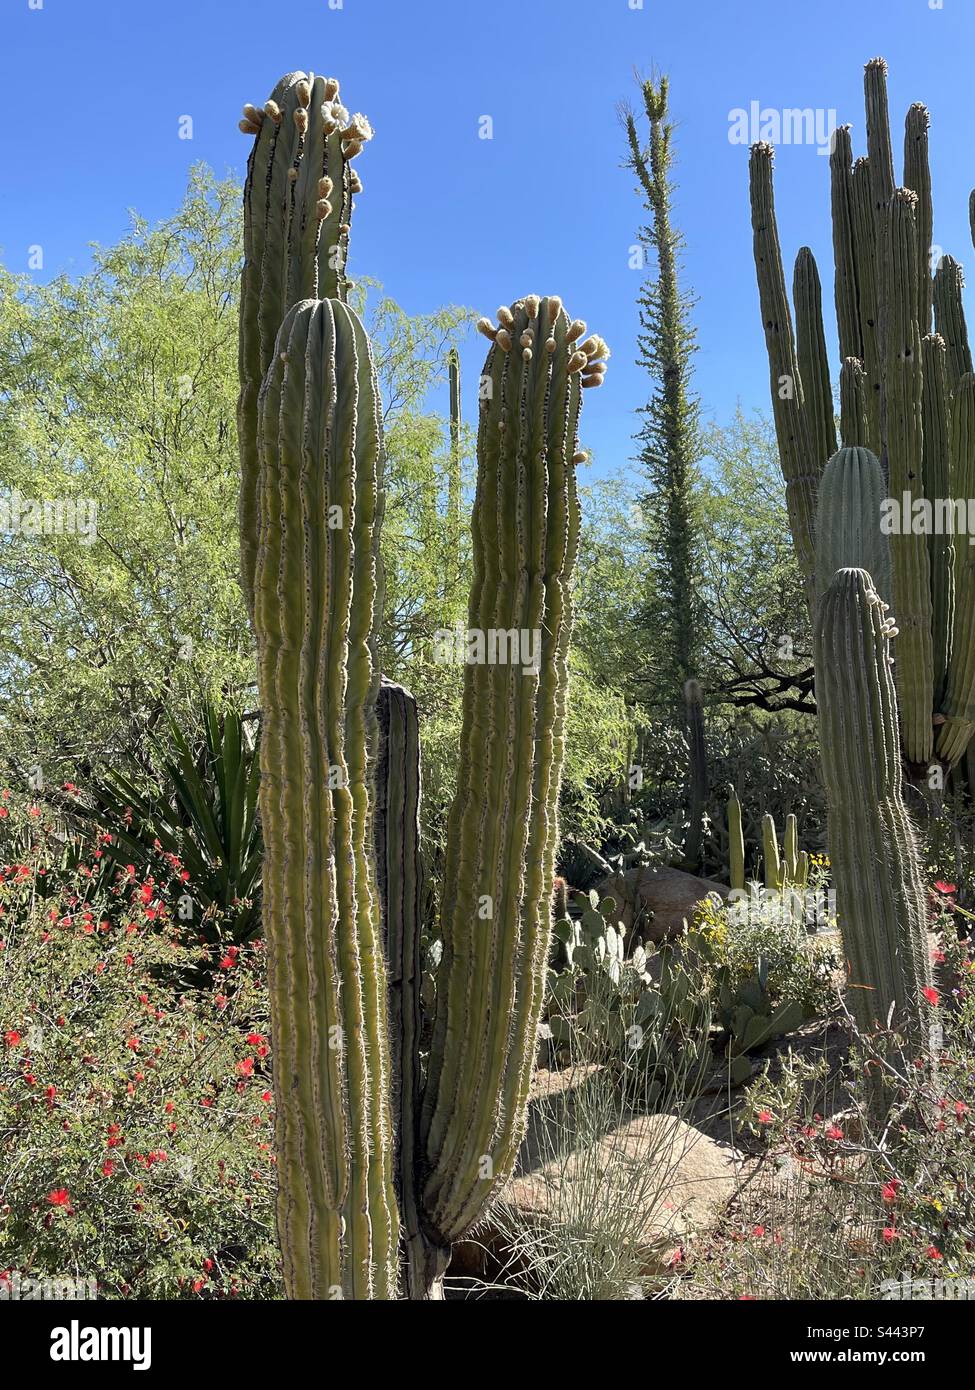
{"type": "Point", "coordinates": [120, 387]}
{"type": "Point", "coordinates": [759, 647]}
{"type": "Point", "coordinates": [119, 390]}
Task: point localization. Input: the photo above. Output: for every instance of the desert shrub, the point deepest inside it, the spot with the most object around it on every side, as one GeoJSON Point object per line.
{"type": "Point", "coordinates": [852, 1207]}
{"type": "Point", "coordinates": [764, 960]}
{"type": "Point", "coordinates": [135, 1112]}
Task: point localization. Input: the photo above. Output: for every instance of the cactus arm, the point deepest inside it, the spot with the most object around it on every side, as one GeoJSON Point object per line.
{"type": "Point", "coordinates": [813, 359]}
{"type": "Point", "coordinates": [736, 843]}
{"type": "Point", "coordinates": [938, 489]}
{"type": "Point", "coordinates": [949, 318]}
{"type": "Point", "coordinates": [853, 404]}
{"type": "Point", "coordinates": [868, 269]}
{"type": "Point", "coordinates": [903, 384]}
{"type": "Point", "coordinates": [848, 533]}
{"type": "Point", "coordinates": [917, 177]}
{"type": "Point", "coordinates": [790, 851]}
{"type": "Point", "coordinates": [881, 899]}
{"type": "Point", "coordinates": [879, 149]}
{"type": "Point", "coordinates": [770, 854]}
{"type": "Point", "coordinates": [490, 998]}
{"type": "Point", "coordinates": [959, 702]}
{"type": "Point", "coordinates": [795, 452]}
{"type": "Point", "coordinates": [846, 282]}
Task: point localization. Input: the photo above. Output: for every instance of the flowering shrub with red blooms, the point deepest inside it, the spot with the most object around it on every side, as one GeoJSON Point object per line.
{"type": "Point", "coordinates": [135, 1109]}
{"type": "Point", "coordinates": [847, 1204]}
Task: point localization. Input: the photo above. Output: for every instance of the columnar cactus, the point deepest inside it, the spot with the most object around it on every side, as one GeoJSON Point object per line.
{"type": "Point", "coordinates": [297, 209]}
{"type": "Point", "coordinates": [373, 1167]}
{"type": "Point", "coordinates": [900, 391]}
{"type": "Point", "coordinates": [736, 843]}
{"type": "Point", "coordinates": [876, 869]}
{"type": "Point", "coordinates": [848, 535]}
{"type": "Point", "coordinates": [314, 594]}
{"type": "Point", "coordinates": [502, 833]}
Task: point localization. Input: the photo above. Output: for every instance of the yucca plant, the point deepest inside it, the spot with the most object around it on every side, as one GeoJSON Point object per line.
{"type": "Point", "coordinates": [202, 809]}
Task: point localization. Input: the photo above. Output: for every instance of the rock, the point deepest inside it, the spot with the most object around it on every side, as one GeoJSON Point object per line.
{"type": "Point", "coordinates": [657, 902]}
{"type": "Point", "coordinates": [673, 1181]}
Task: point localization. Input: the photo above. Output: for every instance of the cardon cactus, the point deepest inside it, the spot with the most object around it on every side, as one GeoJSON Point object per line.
{"type": "Point", "coordinates": [881, 900]}
{"type": "Point", "coordinates": [372, 1165]}
{"type": "Point", "coordinates": [314, 594]}
{"type": "Point", "coordinates": [902, 397]}
{"type": "Point", "coordinates": [851, 494]}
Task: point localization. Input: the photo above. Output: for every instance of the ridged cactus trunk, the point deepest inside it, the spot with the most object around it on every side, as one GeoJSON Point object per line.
{"type": "Point", "coordinates": [314, 597]}
{"type": "Point", "coordinates": [873, 852]}
{"type": "Point", "coordinates": [502, 833]}
{"type": "Point", "coordinates": [379, 1165]}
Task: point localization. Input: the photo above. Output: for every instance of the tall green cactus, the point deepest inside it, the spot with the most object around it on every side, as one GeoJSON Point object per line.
{"type": "Point", "coordinates": [902, 397]}
{"type": "Point", "coordinates": [502, 832]}
{"type": "Point", "coordinates": [298, 200]}
{"type": "Point", "coordinates": [314, 593]}
{"type": "Point", "coordinates": [375, 1168]}
{"type": "Point", "coordinates": [876, 869]}
{"type": "Point", "coordinates": [848, 534]}
{"type": "Point", "coordinates": [736, 843]}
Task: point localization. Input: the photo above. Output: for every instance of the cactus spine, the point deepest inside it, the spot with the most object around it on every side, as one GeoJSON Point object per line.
{"type": "Point", "coordinates": [371, 1163]}
{"type": "Point", "coordinates": [879, 887]}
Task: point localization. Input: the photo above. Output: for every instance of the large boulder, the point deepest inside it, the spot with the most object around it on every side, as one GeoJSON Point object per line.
{"type": "Point", "coordinates": [658, 902]}
{"type": "Point", "coordinates": [673, 1181]}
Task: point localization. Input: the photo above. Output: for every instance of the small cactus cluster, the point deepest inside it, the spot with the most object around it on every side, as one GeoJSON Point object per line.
{"type": "Point", "coordinates": [787, 871]}
{"type": "Point", "coordinates": [751, 1017]}
{"type": "Point", "coordinates": [645, 1013]}
{"type": "Point", "coordinates": [380, 1167]}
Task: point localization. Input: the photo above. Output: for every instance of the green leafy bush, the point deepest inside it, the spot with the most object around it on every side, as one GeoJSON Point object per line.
{"type": "Point", "coordinates": [135, 1112]}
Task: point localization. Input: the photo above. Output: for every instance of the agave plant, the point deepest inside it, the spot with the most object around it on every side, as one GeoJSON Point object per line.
{"type": "Point", "coordinates": [202, 809]}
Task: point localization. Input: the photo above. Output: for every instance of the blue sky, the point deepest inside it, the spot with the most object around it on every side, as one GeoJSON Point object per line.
{"type": "Point", "coordinates": [94, 92]}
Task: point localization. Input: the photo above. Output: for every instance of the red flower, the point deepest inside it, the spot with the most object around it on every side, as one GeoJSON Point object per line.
{"type": "Point", "coordinates": [931, 995]}
{"type": "Point", "coordinates": [765, 1117]}
{"type": "Point", "coordinates": [834, 1132]}
{"type": "Point", "coordinates": [890, 1190]}
{"type": "Point", "coordinates": [890, 1234]}
{"type": "Point", "coordinates": [933, 1253]}
{"type": "Point", "coordinates": [943, 887]}
{"type": "Point", "coordinates": [11, 1037]}
{"type": "Point", "coordinates": [108, 1168]}
{"type": "Point", "coordinates": [758, 1231]}
{"type": "Point", "coordinates": [245, 1066]}
{"type": "Point", "coordinates": [60, 1197]}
